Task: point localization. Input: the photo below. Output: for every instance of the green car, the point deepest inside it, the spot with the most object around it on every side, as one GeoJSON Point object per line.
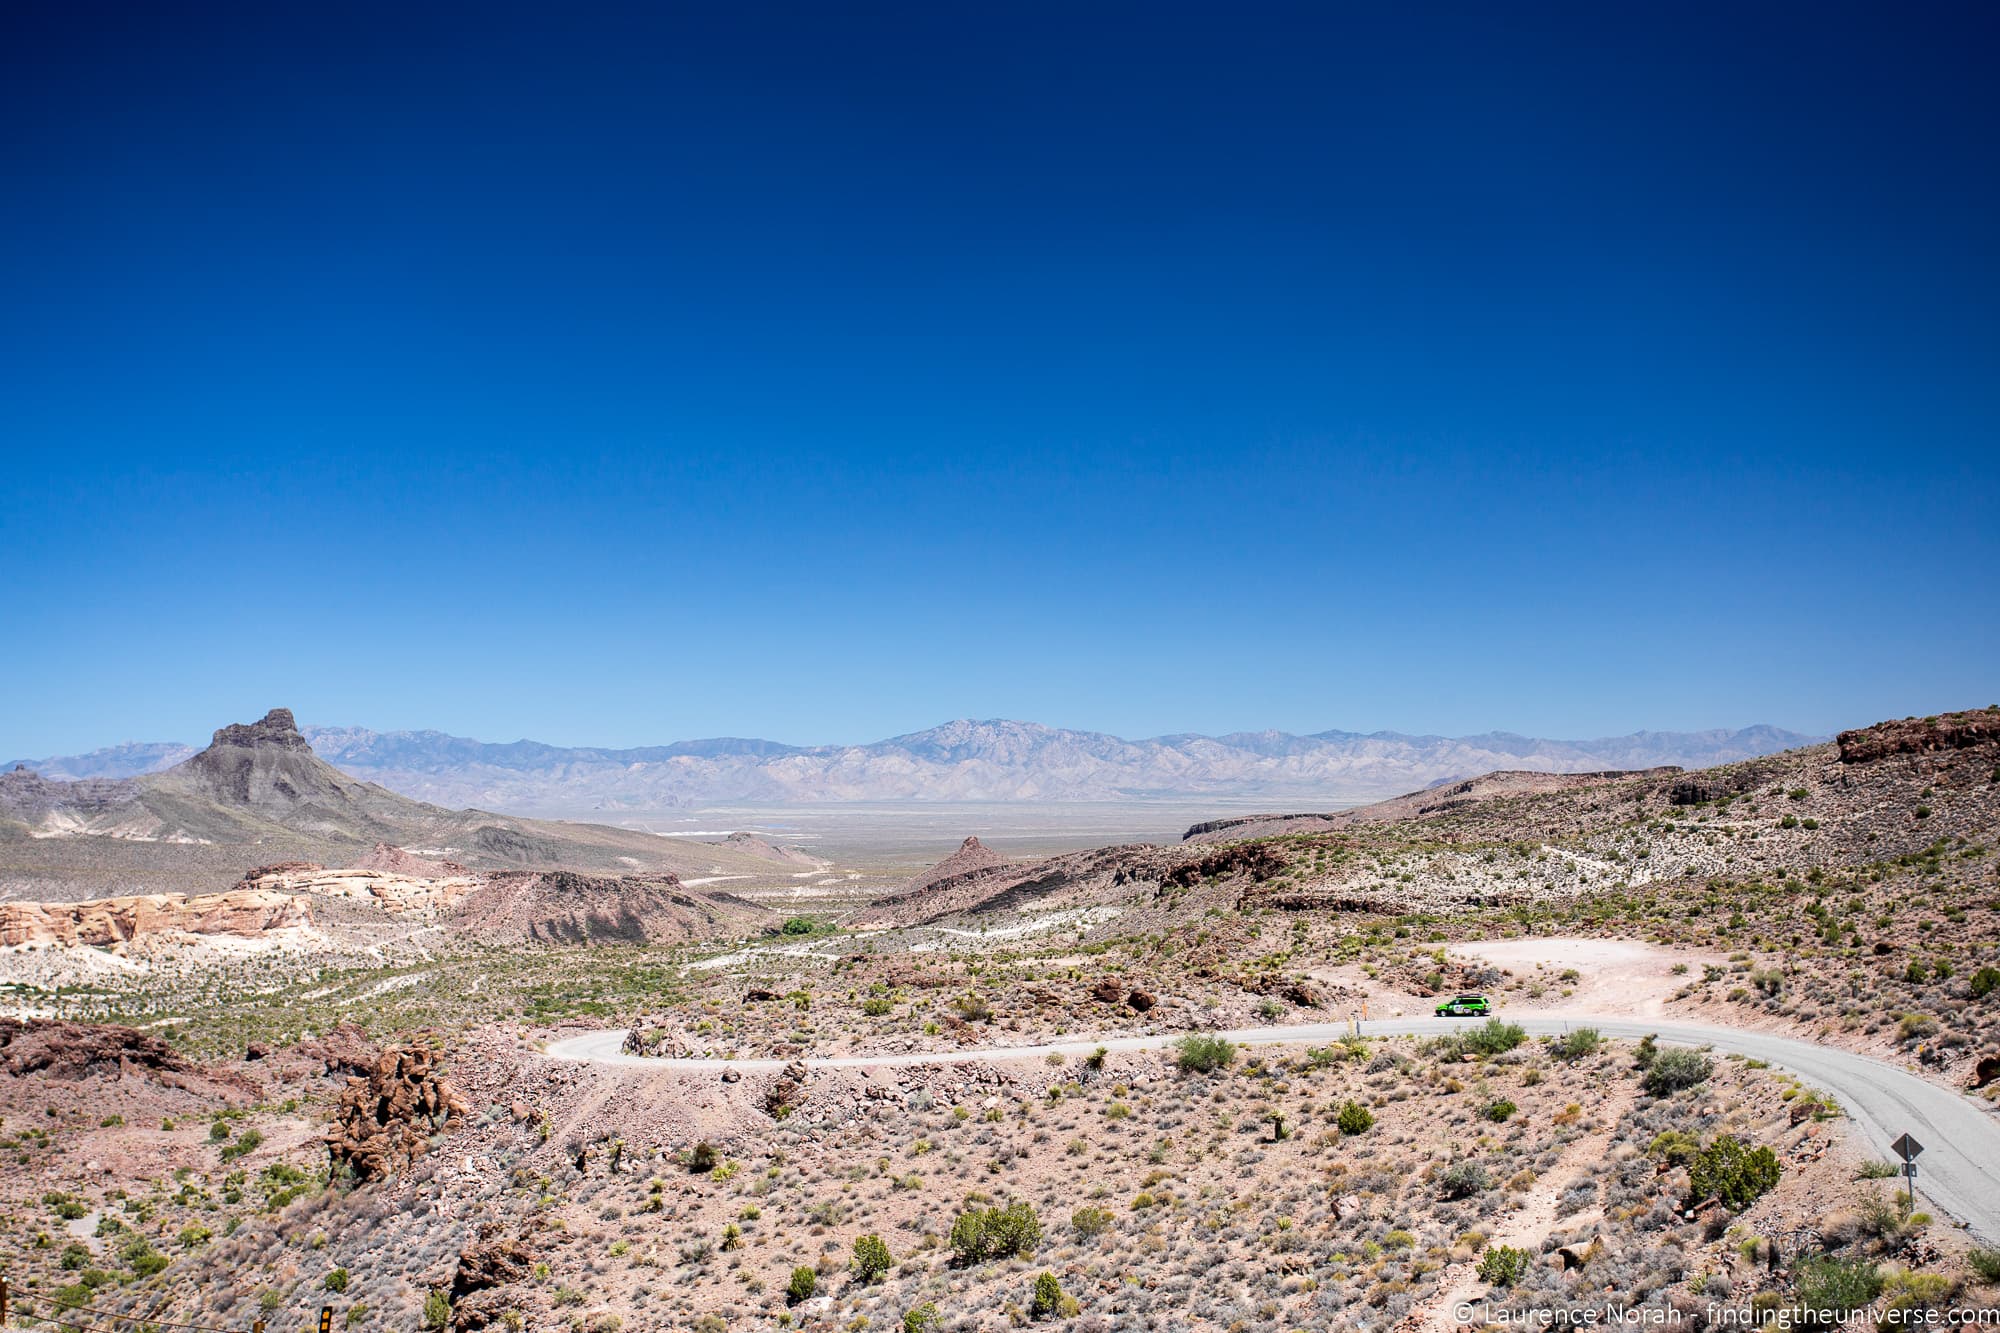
{"type": "Point", "coordinates": [1465, 1006]}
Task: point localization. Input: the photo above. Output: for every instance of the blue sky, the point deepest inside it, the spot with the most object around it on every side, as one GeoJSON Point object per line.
{"type": "Point", "coordinates": [616, 375]}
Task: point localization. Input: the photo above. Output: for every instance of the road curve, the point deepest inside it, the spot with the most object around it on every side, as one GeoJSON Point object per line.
{"type": "Point", "coordinates": [1960, 1168]}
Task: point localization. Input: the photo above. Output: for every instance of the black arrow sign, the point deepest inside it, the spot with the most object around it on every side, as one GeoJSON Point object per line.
{"type": "Point", "coordinates": [1907, 1148]}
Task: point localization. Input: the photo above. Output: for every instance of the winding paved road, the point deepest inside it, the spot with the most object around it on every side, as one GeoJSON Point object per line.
{"type": "Point", "coordinates": [1960, 1167]}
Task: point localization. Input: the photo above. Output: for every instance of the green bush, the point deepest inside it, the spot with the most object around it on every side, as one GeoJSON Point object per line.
{"type": "Point", "coordinates": [799, 925]}
{"type": "Point", "coordinates": [1354, 1118]}
{"type": "Point", "coordinates": [1674, 1070]}
{"type": "Point", "coordinates": [1204, 1053]}
{"type": "Point", "coordinates": [703, 1157]}
{"type": "Point", "coordinates": [246, 1142]}
{"type": "Point", "coordinates": [1494, 1037]}
{"type": "Point", "coordinates": [1985, 1264]}
{"type": "Point", "coordinates": [1462, 1180]}
{"type": "Point", "coordinates": [437, 1308]}
{"type": "Point", "coordinates": [336, 1280]}
{"type": "Point", "coordinates": [1646, 1051]}
{"type": "Point", "coordinates": [871, 1258]}
{"type": "Point", "coordinates": [922, 1319]}
{"type": "Point", "coordinates": [876, 1007]}
{"type": "Point", "coordinates": [1049, 1300]}
{"type": "Point", "coordinates": [1675, 1147]}
{"type": "Point", "coordinates": [1985, 981]}
{"type": "Point", "coordinates": [1089, 1223]}
{"type": "Point", "coordinates": [1503, 1266]}
{"type": "Point", "coordinates": [804, 1282]}
{"type": "Point", "coordinates": [1575, 1045]}
{"type": "Point", "coordinates": [1729, 1171]}
{"type": "Point", "coordinates": [1501, 1111]}
{"type": "Point", "coordinates": [1830, 1288]}
{"type": "Point", "coordinates": [995, 1233]}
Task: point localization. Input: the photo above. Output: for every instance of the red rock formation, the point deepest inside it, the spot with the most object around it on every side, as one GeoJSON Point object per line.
{"type": "Point", "coordinates": [247, 913]}
{"type": "Point", "coordinates": [384, 1121]}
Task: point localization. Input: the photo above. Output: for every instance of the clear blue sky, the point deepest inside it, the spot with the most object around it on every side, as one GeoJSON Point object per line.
{"type": "Point", "coordinates": [616, 375]}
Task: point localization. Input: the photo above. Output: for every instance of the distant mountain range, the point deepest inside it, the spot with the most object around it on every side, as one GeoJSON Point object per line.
{"type": "Point", "coordinates": [258, 794]}
{"type": "Point", "coordinates": [959, 761]}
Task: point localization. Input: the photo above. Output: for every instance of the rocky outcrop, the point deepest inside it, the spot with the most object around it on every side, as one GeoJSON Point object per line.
{"type": "Point", "coordinates": [396, 893]}
{"type": "Point", "coordinates": [1920, 735]}
{"type": "Point", "coordinates": [485, 1267]}
{"type": "Point", "coordinates": [343, 1049]}
{"type": "Point", "coordinates": [81, 1050]}
{"type": "Point", "coordinates": [44, 1048]}
{"type": "Point", "coordinates": [1254, 859]}
{"type": "Point", "coordinates": [786, 1091]}
{"type": "Point", "coordinates": [564, 907]}
{"type": "Point", "coordinates": [102, 922]}
{"type": "Point", "coordinates": [398, 861]}
{"type": "Point", "coordinates": [384, 1121]}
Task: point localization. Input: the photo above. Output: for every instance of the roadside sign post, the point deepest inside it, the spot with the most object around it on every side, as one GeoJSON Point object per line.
{"type": "Point", "coordinates": [1909, 1149]}
{"type": "Point", "coordinates": [326, 1319]}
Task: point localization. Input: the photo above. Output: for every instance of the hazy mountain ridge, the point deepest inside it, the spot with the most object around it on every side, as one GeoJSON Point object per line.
{"type": "Point", "coordinates": [963, 760]}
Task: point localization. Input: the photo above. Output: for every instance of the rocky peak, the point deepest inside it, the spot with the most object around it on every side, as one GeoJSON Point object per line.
{"type": "Point", "coordinates": [277, 729]}
{"type": "Point", "coordinates": [971, 857]}
{"type": "Point", "coordinates": [265, 763]}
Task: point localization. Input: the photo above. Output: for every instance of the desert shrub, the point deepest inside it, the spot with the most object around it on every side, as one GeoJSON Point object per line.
{"type": "Point", "coordinates": [1984, 982]}
{"type": "Point", "coordinates": [1089, 1223]}
{"type": "Point", "coordinates": [1204, 1053]}
{"type": "Point", "coordinates": [1050, 1301]}
{"type": "Point", "coordinates": [1675, 1147]}
{"type": "Point", "coordinates": [995, 1233]}
{"type": "Point", "coordinates": [1503, 1266]}
{"type": "Point", "coordinates": [1462, 1180]}
{"type": "Point", "coordinates": [437, 1308]}
{"type": "Point", "coordinates": [246, 1142]}
{"type": "Point", "coordinates": [922, 1319]}
{"type": "Point", "coordinates": [876, 1006]}
{"type": "Point", "coordinates": [871, 1258]}
{"type": "Point", "coordinates": [1501, 1111]}
{"type": "Point", "coordinates": [703, 1157]}
{"type": "Point", "coordinates": [1646, 1051]}
{"type": "Point", "coordinates": [1354, 1118]}
{"type": "Point", "coordinates": [1830, 1288]}
{"type": "Point", "coordinates": [1575, 1045]}
{"type": "Point", "coordinates": [804, 1282]}
{"type": "Point", "coordinates": [798, 925]}
{"type": "Point", "coordinates": [1494, 1037]}
{"type": "Point", "coordinates": [1910, 1290]}
{"type": "Point", "coordinates": [1985, 1264]}
{"type": "Point", "coordinates": [1671, 1071]}
{"type": "Point", "coordinates": [1733, 1173]}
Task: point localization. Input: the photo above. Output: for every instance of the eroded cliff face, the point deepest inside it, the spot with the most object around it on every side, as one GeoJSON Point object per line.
{"type": "Point", "coordinates": [247, 913]}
